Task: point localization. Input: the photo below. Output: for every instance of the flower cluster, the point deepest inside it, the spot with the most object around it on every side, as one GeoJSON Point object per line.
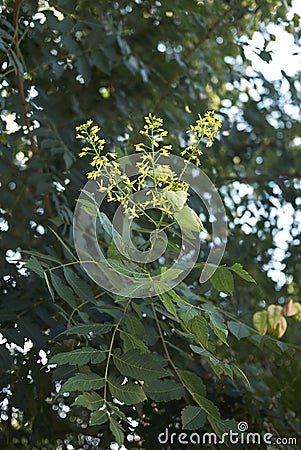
{"type": "Point", "coordinates": [94, 148]}
{"type": "Point", "coordinates": [119, 186]}
{"type": "Point", "coordinates": [205, 130]}
{"type": "Point", "coordinates": [164, 188]}
{"type": "Point", "coordinates": [154, 131]}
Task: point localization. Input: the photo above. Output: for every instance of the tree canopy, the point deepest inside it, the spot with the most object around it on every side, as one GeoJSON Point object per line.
{"type": "Point", "coordinates": [114, 62]}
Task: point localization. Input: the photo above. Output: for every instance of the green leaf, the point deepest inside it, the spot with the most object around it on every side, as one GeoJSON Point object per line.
{"type": "Point", "coordinates": [207, 405]}
{"type": "Point", "coordinates": [239, 270]}
{"type": "Point", "coordinates": [221, 427]}
{"type": "Point", "coordinates": [63, 244]}
{"type": "Point", "coordinates": [80, 287]}
{"type": "Point", "coordinates": [102, 62]}
{"type": "Point", "coordinates": [266, 56]}
{"type": "Point", "coordinates": [238, 329]}
{"type": "Point", "coordinates": [82, 382]}
{"type": "Point", "coordinates": [241, 374]}
{"type": "Point", "coordinates": [80, 356]}
{"type": "Point", "coordinates": [116, 430]}
{"type": "Point", "coordinates": [217, 322]}
{"type": "Point", "coordinates": [90, 207]}
{"type": "Point", "coordinates": [168, 304]}
{"type": "Point", "coordinates": [83, 67]}
{"type": "Point", "coordinates": [170, 274]}
{"type": "Point", "coordinates": [113, 252]}
{"type": "Point", "coordinates": [134, 326]}
{"type": "Point", "coordinates": [129, 393]}
{"type": "Point", "coordinates": [106, 224]}
{"type": "Point", "coordinates": [193, 417]}
{"type": "Point", "coordinates": [118, 412]}
{"type": "Point", "coordinates": [69, 159]}
{"type": "Point", "coordinates": [89, 400]}
{"type": "Point", "coordinates": [49, 285]}
{"type": "Point", "coordinates": [163, 390]}
{"type": "Point", "coordinates": [99, 417]}
{"type": "Point", "coordinates": [282, 345]}
{"type": "Point", "coordinates": [95, 328]}
{"type": "Point", "coordinates": [125, 267]}
{"type": "Point", "coordinates": [137, 310]}
{"type": "Point", "coordinates": [63, 291]}
{"type": "Point", "coordinates": [217, 366]}
{"type": "Point", "coordinates": [139, 365]}
{"type": "Point", "coordinates": [222, 280]}
{"type": "Point", "coordinates": [41, 256]}
{"type": "Point", "coordinates": [198, 326]}
{"type": "Point", "coordinates": [192, 382]}
{"type": "Point", "coordinates": [131, 342]}
{"type": "Point", "coordinates": [34, 265]}
{"type": "Point", "coordinates": [186, 312]}
{"type": "Point", "coordinates": [219, 327]}
{"type": "Point", "coordinates": [206, 354]}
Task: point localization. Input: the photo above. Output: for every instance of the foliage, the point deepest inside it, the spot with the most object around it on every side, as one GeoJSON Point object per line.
{"type": "Point", "coordinates": [139, 371]}
{"type": "Point", "coordinates": [114, 62]}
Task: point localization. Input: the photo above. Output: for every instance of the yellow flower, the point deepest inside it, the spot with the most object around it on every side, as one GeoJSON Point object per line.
{"type": "Point", "coordinates": [164, 152]}
{"type": "Point", "coordinates": [139, 147]}
{"type": "Point", "coordinates": [101, 187]}
{"type": "Point", "coordinates": [92, 175]}
{"type": "Point", "coordinates": [204, 131]}
{"type": "Point", "coordinates": [131, 211]}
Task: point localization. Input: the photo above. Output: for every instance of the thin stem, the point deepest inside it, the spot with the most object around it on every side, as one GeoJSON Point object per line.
{"type": "Point", "coordinates": [110, 351]}
{"type": "Point", "coordinates": [158, 225]}
{"type": "Point", "coordinates": [163, 341]}
{"type": "Point", "coordinates": [153, 159]}
{"type": "Point", "coordinates": [74, 311]}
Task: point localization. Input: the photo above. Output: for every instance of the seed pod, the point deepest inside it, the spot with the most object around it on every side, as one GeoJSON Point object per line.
{"type": "Point", "coordinates": [260, 321]}
{"type": "Point", "coordinates": [280, 328]}
{"type": "Point", "coordinates": [274, 315]}
{"type": "Point", "coordinates": [177, 199]}
{"type": "Point", "coordinates": [189, 221]}
{"type": "Point", "coordinates": [297, 316]}
{"type": "Point", "coordinates": [289, 309]}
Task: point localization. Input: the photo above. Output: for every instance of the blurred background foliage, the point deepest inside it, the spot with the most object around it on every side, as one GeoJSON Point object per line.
{"type": "Point", "coordinates": [63, 62]}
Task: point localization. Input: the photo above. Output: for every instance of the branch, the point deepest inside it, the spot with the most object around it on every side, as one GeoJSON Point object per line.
{"type": "Point", "coordinates": [260, 178]}
{"type": "Point", "coordinates": [20, 83]}
{"type": "Point", "coordinates": [20, 79]}
{"type": "Point", "coordinates": [177, 72]}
